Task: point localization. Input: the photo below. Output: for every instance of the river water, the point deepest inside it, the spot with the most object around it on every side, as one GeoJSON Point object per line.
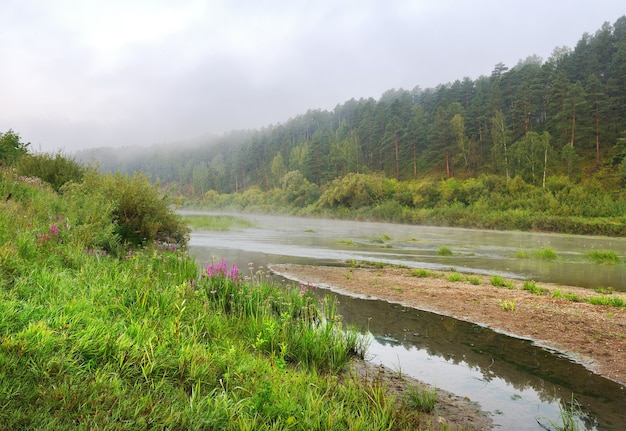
{"type": "Point", "coordinates": [518, 382]}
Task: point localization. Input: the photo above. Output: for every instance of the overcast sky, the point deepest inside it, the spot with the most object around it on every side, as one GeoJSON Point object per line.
{"type": "Point", "coordinates": [77, 74]}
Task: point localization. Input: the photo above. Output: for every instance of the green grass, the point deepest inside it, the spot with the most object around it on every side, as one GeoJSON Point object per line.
{"type": "Point", "coordinates": [613, 301]}
{"type": "Point", "coordinates": [507, 305]}
{"type": "Point", "coordinates": [571, 418]}
{"type": "Point", "coordinates": [499, 281]}
{"type": "Point", "coordinates": [421, 273]}
{"type": "Point", "coordinates": [142, 339]}
{"type": "Point", "coordinates": [217, 222]}
{"type": "Point", "coordinates": [532, 287]}
{"type": "Point", "coordinates": [603, 256]}
{"type": "Point", "coordinates": [557, 293]}
{"type": "Point", "coordinates": [473, 280]}
{"type": "Point", "coordinates": [455, 276]}
{"type": "Point", "coordinates": [421, 398]}
{"type": "Point", "coordinates": [546, 253]}
{"type": "Point", "coordinates": [444, 251]}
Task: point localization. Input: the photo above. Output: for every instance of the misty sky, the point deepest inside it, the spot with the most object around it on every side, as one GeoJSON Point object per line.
{"type": "Point", "coordinates": [77, 74]}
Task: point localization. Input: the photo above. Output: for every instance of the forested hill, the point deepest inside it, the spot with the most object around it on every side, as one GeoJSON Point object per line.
{"type": "Point", "coordinates": [565, 117]}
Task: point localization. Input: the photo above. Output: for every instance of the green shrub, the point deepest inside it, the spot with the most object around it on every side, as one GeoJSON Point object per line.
{"type": "Point", "coordinates": [111, 209]}
{"type": "Point", "coordinates": [140, 214]}
{"type": "Point", "coordinates": [11, 147]}
{"type": "Point", "coordinates": [55, 170]}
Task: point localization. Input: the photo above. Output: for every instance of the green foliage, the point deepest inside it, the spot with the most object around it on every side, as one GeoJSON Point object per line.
{"type": "Point", "coordinates": [422, 273]}
{"type": "Point", "coordinates": [455, 276]}
{"type": "Point", "coordinates": [532, 287]}
{"type": "Point", "coordinates": [603, 256]}
{"type": "Point", "coordinates": [557, 293]}
{"type": "Point", "coordinates": [96, 341]}
{"type": "Point", "coordinates": [507, 305]}
{"type": "Point", "coordinates": [571, 418]}
{"type": "Point", "coordinates": [55, 170]}
{"type": "Point", "coordinates": [613, 301]}
{"type": "Point", "coordinates": [497, 281]}
{"type": "Point", "coordinates": [11, 147]}
{"type": "Point", "coordinates": [511, 151]}
{"type": "Point", "coordinates": [546, 253]}
{"type": "Point", "coordinates": [421, 398]}
{"type": "Point", "coordinates": [140, 215]}
{"type": "Point", "coordinates": [444, 251]}
{"type": "Point", "coordinates": [297, 190]}
{"type": "Point", "coordinates": [352, 191]}
{"type": "Point", "coordinates": [216, 222]}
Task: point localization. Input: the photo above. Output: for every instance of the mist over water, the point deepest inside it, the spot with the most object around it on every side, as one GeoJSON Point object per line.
{"type": "Point", "coordinates": [515, 380]}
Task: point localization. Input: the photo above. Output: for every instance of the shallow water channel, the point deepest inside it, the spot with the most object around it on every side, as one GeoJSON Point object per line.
{"type": "Point", "coordinates": [518, 382]}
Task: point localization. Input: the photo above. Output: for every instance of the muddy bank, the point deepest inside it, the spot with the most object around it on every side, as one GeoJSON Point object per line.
{"type": "Point", "coordinates": [594, 335]}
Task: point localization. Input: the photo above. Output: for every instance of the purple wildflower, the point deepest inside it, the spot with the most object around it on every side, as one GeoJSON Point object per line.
{"type": "Point", "coordinates": [54, 230]}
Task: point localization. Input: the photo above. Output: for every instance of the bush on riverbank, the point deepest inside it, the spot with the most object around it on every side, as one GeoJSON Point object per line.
{"type": "Point", "coordinates": [486, 202]}
{"type": "Point", "coordinates": [136, 339]}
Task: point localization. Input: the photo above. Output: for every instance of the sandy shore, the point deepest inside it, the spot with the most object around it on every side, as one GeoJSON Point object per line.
{"type": "Point", "coordinates": [594, 335]}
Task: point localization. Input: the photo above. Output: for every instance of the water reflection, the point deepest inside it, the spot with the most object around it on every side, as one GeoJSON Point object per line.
{"type": "Point", "coordinates": [505, 375]}
{"type": "Point", "coordinates": [476, 251]}
{"type": "Point", "coordinates": [514, 379]}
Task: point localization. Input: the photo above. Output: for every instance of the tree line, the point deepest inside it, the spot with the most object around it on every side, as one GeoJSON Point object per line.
{"type": "Point", "coordinates": [563, 117]}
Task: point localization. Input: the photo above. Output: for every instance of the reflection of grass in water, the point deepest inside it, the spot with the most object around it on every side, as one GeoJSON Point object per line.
{"type": "Point", "coordinates": [217, 222]}
{"type": "Point", "coordinates": [345, 241]}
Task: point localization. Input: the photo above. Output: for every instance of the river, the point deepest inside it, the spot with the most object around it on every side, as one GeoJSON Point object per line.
{"type": "Point", "coordinates": [518, 382]}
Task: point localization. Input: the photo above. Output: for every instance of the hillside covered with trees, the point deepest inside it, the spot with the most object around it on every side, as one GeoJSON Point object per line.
{"type": "Point", "coordinates": [553, 129]}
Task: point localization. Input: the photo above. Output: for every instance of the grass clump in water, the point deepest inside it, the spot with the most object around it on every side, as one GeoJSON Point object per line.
{"type": "Point", "coordinates": [603, 256]}
{"type": "Point", "coordinates": [546, 253]}
{"type": "Point", "coordinates": [444, 251]}
{"type": "Point", "coordinates": [217, 222]}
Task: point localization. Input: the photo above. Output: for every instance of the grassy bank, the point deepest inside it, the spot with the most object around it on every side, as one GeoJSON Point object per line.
{"type": "Point", "coordinates": [487, 202]}
{"type": "Point", "coordinates": [98, 334]}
